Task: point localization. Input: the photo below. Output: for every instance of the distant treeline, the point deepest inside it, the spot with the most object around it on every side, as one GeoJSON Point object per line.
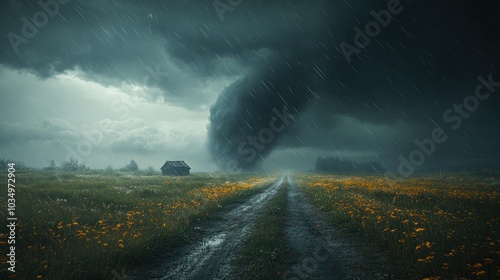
{"type": "Point", "coordinates": [19, 164]}
{"type": "Point", "coordinates": [334, 164]}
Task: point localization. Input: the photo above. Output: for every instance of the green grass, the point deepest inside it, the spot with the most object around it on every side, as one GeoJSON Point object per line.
{"type": "Point", "coordinates": [264, 253]}
{"type": "Point", "coordinates": [85, 225]}
{"type": "Point", "coordinates": [430, 226]}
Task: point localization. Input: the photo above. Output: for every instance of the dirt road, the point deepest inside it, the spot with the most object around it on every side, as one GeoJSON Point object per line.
{"type": "Point", "coordinates": [213, 256]}
{"type": "Point", "coordinates": [320, 251]}
{"type": "Point", "coordinates": [316, 250]}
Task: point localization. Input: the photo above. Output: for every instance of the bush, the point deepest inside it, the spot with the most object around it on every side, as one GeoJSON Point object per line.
{"type": "Point", "coordinates": [132, 166]}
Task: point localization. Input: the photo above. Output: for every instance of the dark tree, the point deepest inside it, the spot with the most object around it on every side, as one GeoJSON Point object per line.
{"type": "Point", "coordinates": [71, 165]}
{"type": "Point", "coordinates": [132, 166]}
{"type": "Point", "coordinates": [19, 165]}
{"type": "Point", "coordinates": [51, 166]}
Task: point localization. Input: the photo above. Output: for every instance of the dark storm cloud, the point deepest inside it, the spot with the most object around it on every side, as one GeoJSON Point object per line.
{"type": "Point", "coordinates": [112, 42]}
{"type": "Point", "coordinates": [252, 107]}
{"type": "Point", "coordinates": [287, 54]}
{"type": "Point", "coordinates": [424, 61]}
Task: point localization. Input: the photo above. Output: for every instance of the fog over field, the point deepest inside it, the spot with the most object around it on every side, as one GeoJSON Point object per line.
{"type": "Point", "coordinates": [244, 85]}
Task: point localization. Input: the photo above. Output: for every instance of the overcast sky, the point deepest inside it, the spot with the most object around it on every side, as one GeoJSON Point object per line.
{"type": "Point", "coordinates": [110, 81]}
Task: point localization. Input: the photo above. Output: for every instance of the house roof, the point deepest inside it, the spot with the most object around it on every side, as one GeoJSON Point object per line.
{"type": "Point", "coordinates": [175, 164]}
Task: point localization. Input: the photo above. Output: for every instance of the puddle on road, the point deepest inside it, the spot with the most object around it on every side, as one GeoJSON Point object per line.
{"type": "Point", "coordinates": [212, 257]}
{"type": "Point", "coordinates": [214, 241]}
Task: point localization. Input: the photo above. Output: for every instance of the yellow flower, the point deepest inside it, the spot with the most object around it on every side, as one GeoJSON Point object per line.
{"type": "Point", "coordinates": [479, 273]}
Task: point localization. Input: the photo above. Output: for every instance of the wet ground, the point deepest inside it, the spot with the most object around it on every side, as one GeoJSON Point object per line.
{"type": "Point", "coordinates": [322, 251]}
{"type": "Point", "coordinates": [317, 251]}
{"type": "Point", "coordinates": [212, 257]}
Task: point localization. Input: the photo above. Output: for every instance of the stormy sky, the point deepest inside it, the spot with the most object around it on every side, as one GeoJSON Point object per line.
{"type": "Point", "coordinates": [240, 84]}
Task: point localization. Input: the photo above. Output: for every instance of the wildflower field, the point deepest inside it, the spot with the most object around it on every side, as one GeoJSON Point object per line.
{"type": "Point", "coordinates": [92, 225]}
{"type": "Point", "coordinates": [433, 227]}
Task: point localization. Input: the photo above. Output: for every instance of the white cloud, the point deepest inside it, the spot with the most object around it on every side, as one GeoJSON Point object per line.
{"type": "Point", "coordinates": [65, 113]}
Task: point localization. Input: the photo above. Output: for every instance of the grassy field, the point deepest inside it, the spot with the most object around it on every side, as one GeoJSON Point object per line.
{"type": "Point", "coordinates": [432, 227]}
{"type": "Point", "coordinates": [92, 225]}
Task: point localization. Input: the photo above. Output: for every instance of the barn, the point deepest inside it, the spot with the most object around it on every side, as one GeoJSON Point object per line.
{"type": "Point", "coordinates": [175, 168]}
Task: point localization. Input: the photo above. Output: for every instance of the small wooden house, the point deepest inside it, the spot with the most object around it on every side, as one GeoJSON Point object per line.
{"type": "Point", "coordinates": [175, 168]}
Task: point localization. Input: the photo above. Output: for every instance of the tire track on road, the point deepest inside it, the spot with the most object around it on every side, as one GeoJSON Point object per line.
{"type": "Point", "coordinates": [321, 251]}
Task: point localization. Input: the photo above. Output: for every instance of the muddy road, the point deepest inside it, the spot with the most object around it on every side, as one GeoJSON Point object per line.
{"type": "Point", "coordinates": [316, 250]}
{"type": "Point", "coordinates": [213, 256]}
{"type": "Point", "coordinates": [321, 251]}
